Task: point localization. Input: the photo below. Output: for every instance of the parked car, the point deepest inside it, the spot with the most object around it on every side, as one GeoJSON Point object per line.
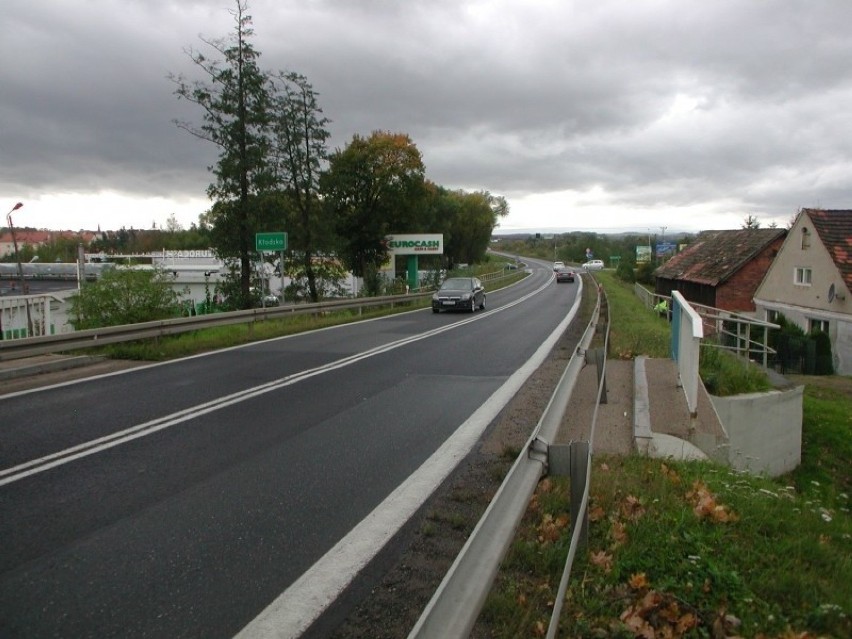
{"type": "Point", "coordinates": [558, 265]}
{"type": "Point", "coordinates": [593, 265]}
{"type": "Point", "coordinates": [564, 275]}
{"type": "Point", "coordinates": [459, 294]}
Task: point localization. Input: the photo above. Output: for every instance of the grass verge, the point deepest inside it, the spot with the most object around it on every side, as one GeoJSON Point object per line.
{"type": "Point", "coordinates": [691, 549]}
{"type": "Point", "coordinates": [677, 550]}
{"type": "Point", "coordinates": [209, 339]}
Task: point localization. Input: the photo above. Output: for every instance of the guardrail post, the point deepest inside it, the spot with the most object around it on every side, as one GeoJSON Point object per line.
{"type": "Point", "coordinates": [579, 463]}
{"type": "Point", "coordinates": [600, 360]}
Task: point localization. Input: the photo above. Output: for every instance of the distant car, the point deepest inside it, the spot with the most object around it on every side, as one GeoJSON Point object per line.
{"type": "Point", "coordinates": [459, 294]}
{"type": "Point", "coordinates": [564, 275]}
{"type": "Point", "coordinates": [593, 265]}
{"type": "Point", "coordinates": [558, 265]}
{"type": "Point", "coordinates": [511, 266]}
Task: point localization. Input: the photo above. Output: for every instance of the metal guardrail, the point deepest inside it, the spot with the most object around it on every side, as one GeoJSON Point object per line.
{"type": "Point", "coordinates": [31, 346]}
{"type": "Point", "coordinates": [581, 480]}
{"type": "Point", "coordinates": [457, 602]}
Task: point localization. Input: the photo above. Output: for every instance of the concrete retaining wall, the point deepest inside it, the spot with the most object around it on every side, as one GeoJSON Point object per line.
{"type": "Point", "coordinates": [764, 430]}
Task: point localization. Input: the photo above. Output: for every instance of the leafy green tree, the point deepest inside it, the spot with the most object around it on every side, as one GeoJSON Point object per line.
{"type": "Point", "coordinates": [299, 151]}
{"type": "Point", "coordinates": [467, 221]}
{"type": "Point", "coordinates": [124, 297]}
{"type": "Point", "coordinates": [236, 103]}
{"type": "Point", "coordinates": [374, 187]}
{"type": "Point", "coordinates": [328, 279]}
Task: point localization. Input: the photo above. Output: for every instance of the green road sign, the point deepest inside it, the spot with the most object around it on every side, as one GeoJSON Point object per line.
{"type": "Point", "coordinates": [270, 242]}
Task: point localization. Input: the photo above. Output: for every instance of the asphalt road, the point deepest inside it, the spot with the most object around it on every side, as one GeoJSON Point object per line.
{"type": "Point", "coordinates": [239, 490]}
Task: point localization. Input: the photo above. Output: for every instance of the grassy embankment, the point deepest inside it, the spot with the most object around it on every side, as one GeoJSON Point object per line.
{"type": "Point", "coordinates": [692, 549]}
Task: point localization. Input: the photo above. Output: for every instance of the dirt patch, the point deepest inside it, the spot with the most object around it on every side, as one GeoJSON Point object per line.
{"type": "Point", "coordinates": [388, 600]}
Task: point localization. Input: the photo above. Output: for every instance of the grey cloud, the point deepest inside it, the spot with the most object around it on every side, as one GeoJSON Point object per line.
{"type": "Point", "coordinates": [514, 97]}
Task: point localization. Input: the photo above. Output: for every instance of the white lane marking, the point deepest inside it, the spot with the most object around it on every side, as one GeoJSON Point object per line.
{"type": "Point", "coordinates": [294, 610]}
{"type": "Point", "coordinates": [41, 464]}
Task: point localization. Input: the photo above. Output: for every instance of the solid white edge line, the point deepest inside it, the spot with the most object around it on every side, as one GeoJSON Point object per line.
{"type": "Point", "coordinates": [294, 610]}
{"type": "Point", "coordinates": [85, 449]}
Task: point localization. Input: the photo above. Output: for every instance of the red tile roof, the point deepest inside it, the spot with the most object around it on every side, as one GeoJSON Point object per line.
{"type": "Point", "coordinates": [835, 231]}
{"type": "Point", "coordinates": [715, 256]}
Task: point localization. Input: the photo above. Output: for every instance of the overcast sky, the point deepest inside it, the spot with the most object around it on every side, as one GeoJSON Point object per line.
{"type": "Point", "coordinates": [604, 115]}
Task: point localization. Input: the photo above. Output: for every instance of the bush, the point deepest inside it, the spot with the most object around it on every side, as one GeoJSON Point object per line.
{"type": "Point", "coordinates": [124, 297]}
{"type": "Point", "coordinates": [725, 374]}
{"type": "Point", "coordinates": [823, 362]}
{"type": "Point", "coordinates": [645, 273]}
{"type": "Point", "coordinates": [625, 273]}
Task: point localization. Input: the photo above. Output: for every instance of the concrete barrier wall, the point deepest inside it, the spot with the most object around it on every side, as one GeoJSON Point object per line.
{"type": "Point", "coordinates": [764, 430]}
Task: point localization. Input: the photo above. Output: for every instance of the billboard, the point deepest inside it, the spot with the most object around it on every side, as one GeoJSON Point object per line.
{"type": "Point", "coordinates": [643, 254]}
{"type": "Point", "coordinates": [416, 244]}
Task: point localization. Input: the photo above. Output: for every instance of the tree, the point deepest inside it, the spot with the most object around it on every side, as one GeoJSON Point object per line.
{"type": "Point", "coordinates": [299, 150]}
{"type": "Point", "coordinates": [172, 224]}
{"type": "Point", "coordinates": [467, 221]}
{"type": "Point", "coordinates": [236, 105]}
{"type": "Point", "coordinates": [751, 222]}
{"type": "Point", "coordinates": [374, 187]}
{"type": "Point", "coordinates": [124, 297]}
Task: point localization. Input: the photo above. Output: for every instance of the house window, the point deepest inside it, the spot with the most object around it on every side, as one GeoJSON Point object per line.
{"type": "Point", "coordinates": [806, 239]}
{"type": "Point", "coordinates": [802, 276]}
{"type": "Point", "coordinates": [817, 325]}
{"type": "Point", "coordinates": [772, 316]}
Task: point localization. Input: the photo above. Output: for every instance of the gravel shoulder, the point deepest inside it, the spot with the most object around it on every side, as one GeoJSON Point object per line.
{"type": "Point", "coordinates": [385, 601]}
{"type": "Point", "coordinates": [388, 598]}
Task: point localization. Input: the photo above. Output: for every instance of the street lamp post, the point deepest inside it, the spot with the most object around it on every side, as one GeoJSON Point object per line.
{"type": "Point", "coordinates": [24, 288]}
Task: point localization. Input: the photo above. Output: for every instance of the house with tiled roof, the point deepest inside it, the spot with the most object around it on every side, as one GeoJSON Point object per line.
{"type": "Point", "coordinates": [810, 282]}
{"type": "Point", "coordinates": [721, 269]}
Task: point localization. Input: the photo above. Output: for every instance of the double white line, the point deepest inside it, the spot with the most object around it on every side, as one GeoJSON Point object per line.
{"type": "Point", "coordinates": [35, 466]}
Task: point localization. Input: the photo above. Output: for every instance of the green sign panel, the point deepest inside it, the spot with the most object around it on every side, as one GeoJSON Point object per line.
{"type": "Point", "coordinates": [270, 242]}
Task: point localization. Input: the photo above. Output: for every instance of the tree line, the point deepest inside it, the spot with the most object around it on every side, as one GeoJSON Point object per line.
{"type": "Point", "coordinates": [274, 172]}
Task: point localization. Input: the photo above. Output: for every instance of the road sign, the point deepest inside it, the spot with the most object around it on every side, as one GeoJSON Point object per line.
{"type": "Point", "coordinates": [270, 242]}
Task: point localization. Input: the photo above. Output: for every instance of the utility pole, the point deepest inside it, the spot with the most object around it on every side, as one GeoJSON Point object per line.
{"type": "Point", "coordinates": [24, 287]}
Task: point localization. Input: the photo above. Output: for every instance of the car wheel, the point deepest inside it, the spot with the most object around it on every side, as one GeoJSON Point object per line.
{"type": "Point", "coordinates": [473, 304]}
{"type": "Point", "coordinates": [435, 310]}
{"type": "Point", "coordinates": [482, 304]}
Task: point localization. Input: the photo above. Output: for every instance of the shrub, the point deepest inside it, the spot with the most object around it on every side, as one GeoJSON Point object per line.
{"type": "Point", "coordinates": [725, 374]}
{"type": "Point", "coordinates": [124, 297]}
{"type": "Point", "coordinates": [625, 273]}
{"type": "Point", "coordinates": [645, 273]}
{"type": "Point", "coordinates": [823, 362]}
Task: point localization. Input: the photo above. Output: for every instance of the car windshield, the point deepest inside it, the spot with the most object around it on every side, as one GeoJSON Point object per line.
{"type": "Point", "coordinates": [457, 284]}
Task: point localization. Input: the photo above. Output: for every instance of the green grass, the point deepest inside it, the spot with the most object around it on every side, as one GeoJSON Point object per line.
{"type": "Point", "coordinates": [219, 337]}
{"type": "Point", "coordinates": [637, 330]}
{"type": "Point", "coordinates": [724, 373]}
{"type": "Point", "coordinates": [634, 329]}
{"type": "Point", "coordinates": [692, 549]}
{"type": "Point", "coordinates": [826, 470]}
{"type": "Point", "coordinates": [775, 558]}
{"type": "Point", "coordinates": [209, 339]}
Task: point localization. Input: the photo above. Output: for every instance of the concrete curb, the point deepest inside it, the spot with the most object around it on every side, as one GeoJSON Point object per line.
{"type": "Point", "coordinates": [28, 368]}
{"type": "Point", "coordinates": [656, 445]}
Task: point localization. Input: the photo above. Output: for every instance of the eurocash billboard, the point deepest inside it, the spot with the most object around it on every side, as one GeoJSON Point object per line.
{"type": "Point", "coordinates": [425, 244]}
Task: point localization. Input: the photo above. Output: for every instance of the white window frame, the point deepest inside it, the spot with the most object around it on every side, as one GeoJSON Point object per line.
{"type": "Point", "coordinates": [818, 324]}
{"type": "Point", "coordinates": [802, 276]}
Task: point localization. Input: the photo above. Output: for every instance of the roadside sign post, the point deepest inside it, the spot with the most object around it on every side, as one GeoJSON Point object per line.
{"type": "Point", "coordinates": [270, 242]}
